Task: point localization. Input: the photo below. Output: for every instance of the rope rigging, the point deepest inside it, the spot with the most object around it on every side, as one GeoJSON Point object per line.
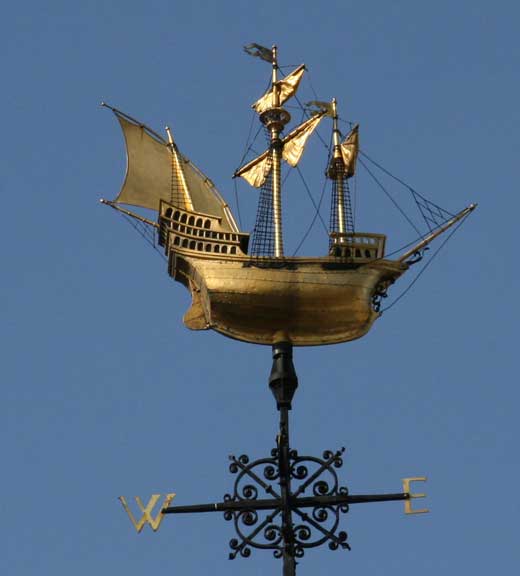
{"type": "Point", "coordinates": [147, 232]}
{"type": "Point", "coordinates": [424, 267]}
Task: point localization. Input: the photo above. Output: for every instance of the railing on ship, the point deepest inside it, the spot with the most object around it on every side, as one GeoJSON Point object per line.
{"type": "Point", "coordinates": [357, 245]}
{"type": "Point", "coordinates": [200, 232]}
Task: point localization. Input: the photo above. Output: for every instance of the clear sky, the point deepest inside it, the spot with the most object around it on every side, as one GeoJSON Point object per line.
{"type": "Point", "coordinates": [104, 392]}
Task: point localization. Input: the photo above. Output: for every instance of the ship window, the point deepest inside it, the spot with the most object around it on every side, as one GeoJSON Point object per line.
{"type": "Point", "coordinates": [234, 237]}
{"type": "Point", "coordinates": [227, 236]}
{"type": "Point", "coordinates": [183, 218]}
{"type": "Point", "coordinates": [176, 215]}
{"type": "Point", "coordinates": [367, 254]}
{"type": "Point", "coordinates": [189, 231]}
{"type": "Point", "coordinates": [216, 248]}
{"type": "Point", "coordinates": [168, 212]}
{"type": "Point", "coordinates": [233, 250]}
{"type": "Point", "coordinates": [176, 240]}
{"type": "Point", "coordinates": [199, 246]}
{"type": "Point", "coordinates": [175, 226]}
{"type": "Point", "coordinates": [207, 224]}
{"type": "Point", "coordinates": [199, 222]}
{"type": "Point", "coordinates": [185, 243]}
{"type": "Point", "coordinates": [208, 247]}
{"type": "Point", "coordinates": [358, 253]}
{"type": "Point", "coordinates": [208, 234]}
{"type": "Point", "coordinates": [214, 235]}
{"type": "Point", "coordinates": [192, 244]}
{"type": "Point", "coordinates": [191, 221]}
{"type": "Point", "coordinates": [224, 249]}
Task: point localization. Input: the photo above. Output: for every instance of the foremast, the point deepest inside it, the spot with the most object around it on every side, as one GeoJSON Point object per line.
{"type": "Point", "coordinates": [337, 173]}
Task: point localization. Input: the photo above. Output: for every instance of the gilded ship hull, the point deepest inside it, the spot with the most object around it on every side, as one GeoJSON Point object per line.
{"type": "Point", "coordinates": [304, 301]}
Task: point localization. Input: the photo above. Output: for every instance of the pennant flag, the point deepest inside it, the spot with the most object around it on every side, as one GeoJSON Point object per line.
{"type": "Point", "coordinates": [259, 52]}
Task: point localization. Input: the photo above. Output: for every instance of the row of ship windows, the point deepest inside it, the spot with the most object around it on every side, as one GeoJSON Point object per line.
{"type": "Point", "coordinates": [357, 253]}
{"type": "Point", "coordinates": [185, 220]}
{"type": "Point", "coordinates": [204, 233]}
{"type": "Point", "coordinates": [193, 245]}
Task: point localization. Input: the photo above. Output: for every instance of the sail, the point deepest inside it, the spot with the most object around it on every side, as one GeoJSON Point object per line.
{"type": "Point", "coordinates": [257, 171]}
{"type": "Point", "coordinates": [294, 142]}
{"type": "Point", "coordinates": [349, 151]}
{"type": "Point", "coordinates": [287, 87]}
{"type": "Point", "coordinates": [156, 170]}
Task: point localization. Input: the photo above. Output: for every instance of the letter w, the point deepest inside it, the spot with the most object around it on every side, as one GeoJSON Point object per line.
{"type": "Point", "coordinates": [147, 511]}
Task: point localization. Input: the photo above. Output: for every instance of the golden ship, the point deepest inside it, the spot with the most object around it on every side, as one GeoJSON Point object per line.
{"type": "Point", "coordinates": [261, 295]}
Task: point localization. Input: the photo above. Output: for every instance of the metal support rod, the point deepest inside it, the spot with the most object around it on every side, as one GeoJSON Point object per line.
{"type": "Point", "coordinates": [283, 383]}
{"type": "Point", "coordinates": [289, 565]}
{"type": "Point", "coordinates": [273, 503]}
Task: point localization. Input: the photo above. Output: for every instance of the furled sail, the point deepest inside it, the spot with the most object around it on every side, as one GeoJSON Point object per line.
{"type": "Point", "coordinates": [257, 171]}
{"type": "Point", "coordinates": [349, 151]}
{"type": "Point", "coordinates": [287, 88]}
{"type": "Point", "coordinates": [156, 171]}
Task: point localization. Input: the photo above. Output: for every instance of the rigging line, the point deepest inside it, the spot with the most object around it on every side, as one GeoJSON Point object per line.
{"type": "Point", "coordinates": [316, 214]}
{"type": "Point", "coordinates": [403, 213]}
{"type": "Point", "coordinates": [306, 110]}
{"type": "Point", "coordinates": [405, 246]}
{"type": "Point", "coordinates": [349, 123]}
{"type": "Point", "coordinates": [309, 80]}
{"type": "Point", "coordinates": [306, 114]}
{"type": "Point", "coordinates": [142, 232]}
{"type": "Point", "coordinates": [387, 172]}
{"type": "Point", "coordinates": [248, 139]}
{"type": "Point", "coordinates": [397, 179]}
{"type": "Point", "coordinates": [421, 272]}
{"type": "Point", "coordinates": [316, 207]}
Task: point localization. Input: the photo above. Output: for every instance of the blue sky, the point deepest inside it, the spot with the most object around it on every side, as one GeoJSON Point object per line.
{"type": "Point", "coordinates": [104, 392]}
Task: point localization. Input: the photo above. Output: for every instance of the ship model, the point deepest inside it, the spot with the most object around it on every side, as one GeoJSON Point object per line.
{"type": "Point", "coordinates": [252, 291]}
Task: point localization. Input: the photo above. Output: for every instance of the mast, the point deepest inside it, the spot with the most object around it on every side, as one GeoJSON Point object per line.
{"type": "Point", "coordinates": [274, 119]}
{"type": "Point", "coordinates": [339, 169]}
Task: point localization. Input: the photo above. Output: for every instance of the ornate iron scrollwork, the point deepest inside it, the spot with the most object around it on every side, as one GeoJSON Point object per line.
{"type": "Point", "coordinates": [261, 525]}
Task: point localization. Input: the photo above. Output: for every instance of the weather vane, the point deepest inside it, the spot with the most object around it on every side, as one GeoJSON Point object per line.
{"type": "Point", "coordinates": [253, 292]}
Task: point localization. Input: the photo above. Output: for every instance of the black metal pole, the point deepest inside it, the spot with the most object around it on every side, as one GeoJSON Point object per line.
{"type": "Point", "coordinates": [283, 383]}
{"type": "Point", "coordinates": [274, 503]}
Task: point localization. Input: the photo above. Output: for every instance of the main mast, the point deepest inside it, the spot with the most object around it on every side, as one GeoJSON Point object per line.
{"type": "Point", "coordinates": [274, 119]}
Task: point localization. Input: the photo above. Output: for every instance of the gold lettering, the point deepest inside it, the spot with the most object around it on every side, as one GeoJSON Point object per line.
{"type": "Point", "coordinates": [147, 511]}
{"type": "Point", "coordinates": [408, 503]}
